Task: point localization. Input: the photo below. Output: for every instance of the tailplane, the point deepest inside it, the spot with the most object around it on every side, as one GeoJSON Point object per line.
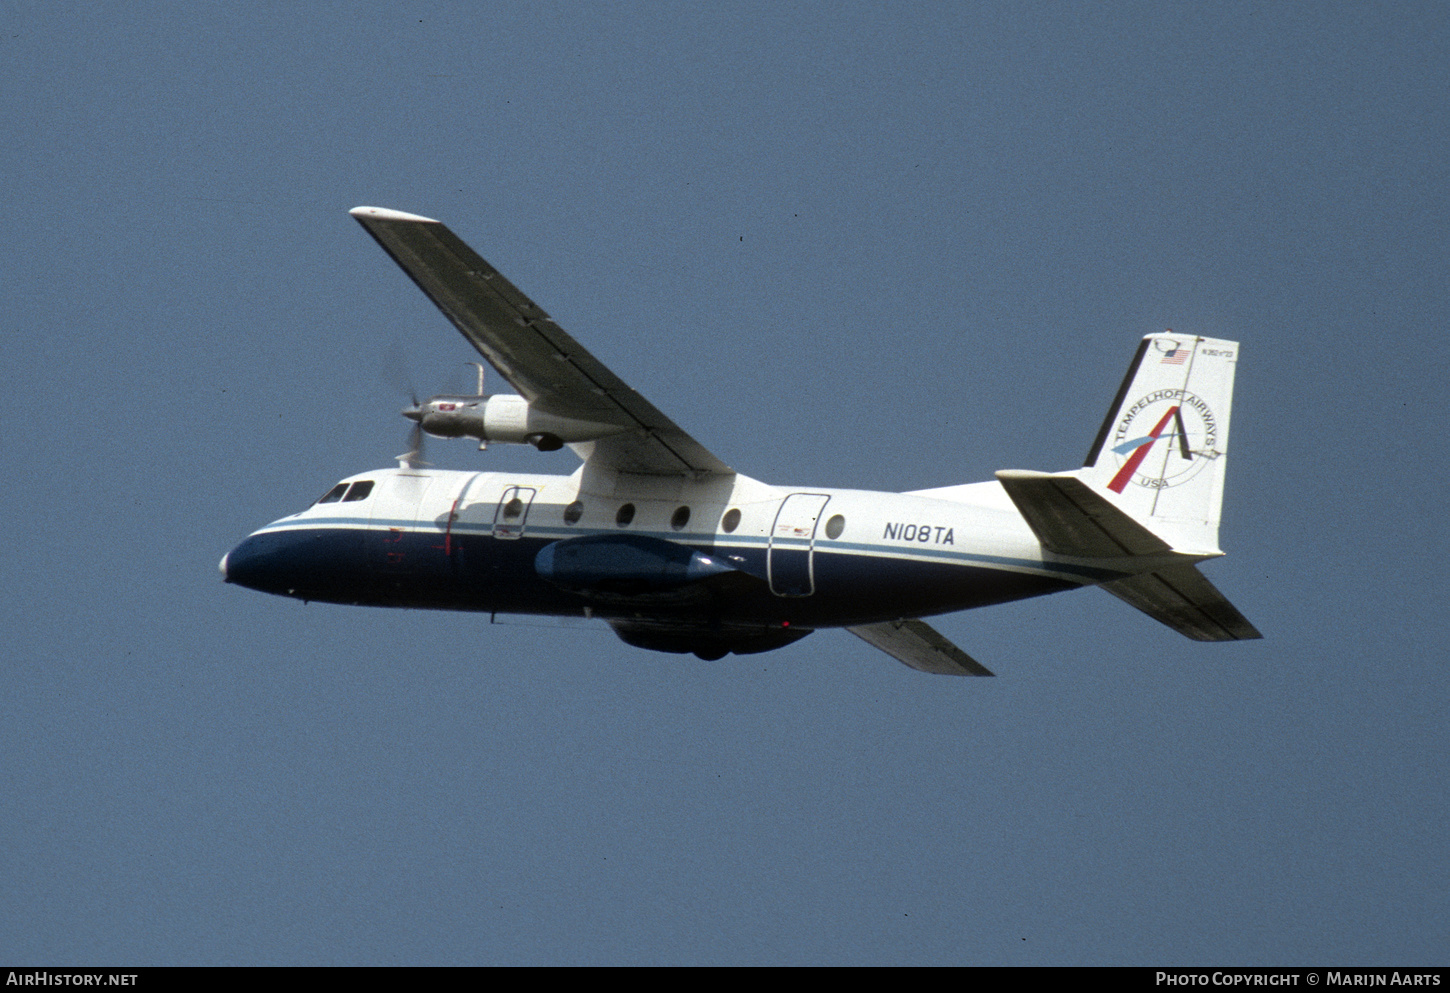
{"type": "Point", "coordinates": [1182, 598]}
{"type": "Point", "coordinates": [1147, 502]}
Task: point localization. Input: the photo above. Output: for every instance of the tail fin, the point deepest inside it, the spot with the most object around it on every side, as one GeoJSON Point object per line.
{"type": "Point", "coordinates": [1163, 447]}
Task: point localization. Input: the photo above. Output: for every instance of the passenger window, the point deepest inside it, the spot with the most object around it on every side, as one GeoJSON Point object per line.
{"type": "Point", "coordinates": [681, 518]}
{"type": "Point", "coordinates": [359, 491]}
{"type": "Point", "coordinates": [335, 494]}
{"type": "Point", "coordinates": [625, 515]}
{"type": "Point", "coordinates": [513, 509]}
{"type": "Point", "coordinates": [573, 512]}
{"type": "Point", "coordinates": [730, 521]}
{"type": "Point", "coordinates": [835, 526]}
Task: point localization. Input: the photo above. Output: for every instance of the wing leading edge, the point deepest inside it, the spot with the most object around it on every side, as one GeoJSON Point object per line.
{"type": "Point", "coordinates": [551, 370]}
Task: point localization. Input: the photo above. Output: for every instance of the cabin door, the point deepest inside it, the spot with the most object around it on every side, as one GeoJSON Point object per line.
{"type": "Point", "coordinates": [790, 561]}
{"type": "Point", "coordinates": [512, 511]}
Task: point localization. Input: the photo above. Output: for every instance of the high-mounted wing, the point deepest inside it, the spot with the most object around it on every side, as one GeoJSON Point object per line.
{"type": "Point", "coordinates": [549, 368]}
{"type": "Point", "coordinates": [917, 644]}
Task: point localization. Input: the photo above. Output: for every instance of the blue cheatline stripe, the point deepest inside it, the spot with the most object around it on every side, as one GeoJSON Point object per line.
{"type": "Point", "coordinates": [717, 542]}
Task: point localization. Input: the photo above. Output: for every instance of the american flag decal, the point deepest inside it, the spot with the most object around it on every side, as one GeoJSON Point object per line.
{"type": "Point", "coordinates": [1176, 357]}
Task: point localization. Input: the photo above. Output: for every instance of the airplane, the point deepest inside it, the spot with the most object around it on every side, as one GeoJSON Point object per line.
{"type": "Point", "coordinates": [678, 552]}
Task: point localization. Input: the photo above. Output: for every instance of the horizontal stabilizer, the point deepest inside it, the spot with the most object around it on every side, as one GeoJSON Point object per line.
{"type": "Point", "coordinates": [1070, 519]}
{"type": "Point", "coordinates": [919, 645]}
{"type": "Point", "coordinates": [1180, 597]}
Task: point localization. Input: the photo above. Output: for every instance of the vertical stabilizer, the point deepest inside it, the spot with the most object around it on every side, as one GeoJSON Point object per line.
{"type": "Point", "coordinates": [1162, 450]}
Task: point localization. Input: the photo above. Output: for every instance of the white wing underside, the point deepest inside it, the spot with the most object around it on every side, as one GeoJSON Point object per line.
{"type": "Point", "coordinates": [551, 370]}
{"type": "Point", "coordinates": [917, 644]}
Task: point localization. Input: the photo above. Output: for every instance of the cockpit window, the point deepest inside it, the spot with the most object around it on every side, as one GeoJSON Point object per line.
{"type": "Point", "coordinates": [359, 491]}
{"type": "Point", "coordinates": [335, 494]}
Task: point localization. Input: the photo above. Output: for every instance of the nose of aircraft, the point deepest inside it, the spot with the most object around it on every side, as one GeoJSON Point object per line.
{"type": "Point", "coordinates": [258, 562]}
{"type": "Point", "coordinates": [308, 565]}
{"type": "Point", "coordinates": [267, 562]}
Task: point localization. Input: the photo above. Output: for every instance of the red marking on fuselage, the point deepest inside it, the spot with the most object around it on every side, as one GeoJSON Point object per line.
{"type": "Point", "coordinates": [448, 534]}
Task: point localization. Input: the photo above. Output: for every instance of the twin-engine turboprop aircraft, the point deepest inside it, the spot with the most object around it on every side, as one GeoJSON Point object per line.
{"type": "Point", "coordinates": [678, 552]}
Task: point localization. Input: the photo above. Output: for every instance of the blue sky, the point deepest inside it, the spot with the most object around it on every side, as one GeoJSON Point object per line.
{"type": "Point", "coordinates": [880, 246]}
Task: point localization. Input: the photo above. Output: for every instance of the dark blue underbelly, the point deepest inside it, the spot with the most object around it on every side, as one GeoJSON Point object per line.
{"type": "Point", "coordinates": [481, 573]}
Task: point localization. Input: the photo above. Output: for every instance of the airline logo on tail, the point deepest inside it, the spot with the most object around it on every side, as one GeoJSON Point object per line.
{"type": "Point", "coordinates": [1186, 426]}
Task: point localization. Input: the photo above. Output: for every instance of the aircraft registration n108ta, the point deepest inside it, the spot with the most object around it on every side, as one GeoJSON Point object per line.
{"type": "Point", "coordinates": [678, 552]}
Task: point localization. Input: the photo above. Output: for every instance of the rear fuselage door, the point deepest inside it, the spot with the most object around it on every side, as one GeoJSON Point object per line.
{"type": "Point", "coordinates": [512, 511]}
{"type": "Point", "coordinates": [790, 562]}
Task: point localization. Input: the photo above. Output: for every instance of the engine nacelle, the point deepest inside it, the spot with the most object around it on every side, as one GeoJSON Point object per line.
{"type": "Point", "coordinates": [506, 419]}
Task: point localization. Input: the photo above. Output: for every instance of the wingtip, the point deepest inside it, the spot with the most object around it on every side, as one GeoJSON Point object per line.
{"type": "Point", "coordinates": [384, 214]}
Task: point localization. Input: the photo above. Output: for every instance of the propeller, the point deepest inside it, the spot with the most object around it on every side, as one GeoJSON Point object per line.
{"type": "Point", "coordinates": [399, 377]}
{"type": "Point", "coordinates": [417, 439]}
{"type": "Point", "coordinates": [415, 456]}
